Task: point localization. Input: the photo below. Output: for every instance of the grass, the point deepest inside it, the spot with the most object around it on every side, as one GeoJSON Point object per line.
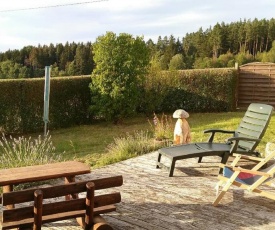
{"type": "Point", "coordinates": [90, 143]}
{"type": "Point", "coordinates": [104, 143]}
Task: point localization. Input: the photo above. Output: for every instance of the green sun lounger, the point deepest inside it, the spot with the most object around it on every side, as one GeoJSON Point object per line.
{"type": "Point", "coordinates": [244, 139]}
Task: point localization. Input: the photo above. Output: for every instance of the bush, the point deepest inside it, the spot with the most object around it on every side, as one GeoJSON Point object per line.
{"type": "Point", "coordinates": [21, 103]}
{"type": "Point", "coordinates": [204, 90]}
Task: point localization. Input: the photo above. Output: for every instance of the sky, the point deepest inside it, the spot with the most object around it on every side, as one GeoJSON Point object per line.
{"type": "Point", "coordinates": [59, 21]}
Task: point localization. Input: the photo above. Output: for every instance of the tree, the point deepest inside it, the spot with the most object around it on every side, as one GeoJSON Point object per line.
{"type": "Point", "coordinates": [121, 64]}
{"type": "Point", "coordinates": [83, 59]}
{"type": "Point", "coordinates": [177, 62]}
{"type": "Point", "coordinates": [10, 70]}
{"type": "Point", "coordinates": [215, 40]}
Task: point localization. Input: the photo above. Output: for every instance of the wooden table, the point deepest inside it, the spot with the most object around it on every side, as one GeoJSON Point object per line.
{"type": "Point", "coordinates": [67, 169]}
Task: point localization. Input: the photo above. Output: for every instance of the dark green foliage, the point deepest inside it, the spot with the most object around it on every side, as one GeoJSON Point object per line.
{"type": "Point", "coordinates": [121, 63]}
{"type": "Point", "coordinates": [208, 90]}
{"type": "Point", "coordinates": [22, 101]}
{"type": "Point", "coordinates": [69, 59]}
{"type": "Point", "coordinates": [69, 101]}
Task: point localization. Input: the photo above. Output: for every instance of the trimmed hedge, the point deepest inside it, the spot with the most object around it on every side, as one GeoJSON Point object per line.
{"type": "Point", "coordinates": [22, 103]}
{"type": "Point", "coordinates": [205, 90]}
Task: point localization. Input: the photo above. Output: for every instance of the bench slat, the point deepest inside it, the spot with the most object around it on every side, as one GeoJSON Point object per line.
{"type": "Point", "coordinates": [60, 190]}
{"type": "Point", "coordinates": [59, 216]}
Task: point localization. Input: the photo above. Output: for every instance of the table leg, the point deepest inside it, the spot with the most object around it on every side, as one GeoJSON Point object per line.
{"type": "Point", "coordinates": [70, 179]}
{"type": "Point", "coordinates": [8, 188]}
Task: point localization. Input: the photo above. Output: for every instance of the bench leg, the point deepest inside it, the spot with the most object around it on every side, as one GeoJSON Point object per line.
{"type": "Point", "coordinates": [101, 224]}
{"type": "Point", "coordinates": [171, 171]}
{"type": "Point", "coordinates": [38, 206]}
{"type": "Point", "coordinates": [158, 161]}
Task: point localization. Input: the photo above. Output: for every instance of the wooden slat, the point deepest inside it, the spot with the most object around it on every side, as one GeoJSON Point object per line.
{"type": "Point", "coordinates": [267, 85]}
{"type": "Point", "coordinates": [60, 207]}
{"type": "Point", "coordinates": [59, 216]}
{"type": "Point", "coordinates": [256, 83]}
{"type": "Point", "coordinates": [61, 190]}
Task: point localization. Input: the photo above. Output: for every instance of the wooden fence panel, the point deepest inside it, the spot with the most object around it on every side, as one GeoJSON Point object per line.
{"type": "Point", "coordinates": [256, 84]}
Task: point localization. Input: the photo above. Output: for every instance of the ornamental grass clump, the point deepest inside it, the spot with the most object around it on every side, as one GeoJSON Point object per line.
{"type": "Point", "coordinates": [19, 152]}
{"type": "Point", "coordinates": [129, 146]}
{"type": "Point", "coordinates": [163, 127]}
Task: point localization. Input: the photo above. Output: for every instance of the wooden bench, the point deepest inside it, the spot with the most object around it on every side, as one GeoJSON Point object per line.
{"type": "Point", "coordinates": [87, 210]}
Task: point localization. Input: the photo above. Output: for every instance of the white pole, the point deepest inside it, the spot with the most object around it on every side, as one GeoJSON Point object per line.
{"type": "Point", "coordinates": [46, 98]}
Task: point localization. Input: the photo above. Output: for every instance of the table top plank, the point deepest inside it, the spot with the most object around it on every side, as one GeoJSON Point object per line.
{"type": "Point", "coordinates": [42, 172]}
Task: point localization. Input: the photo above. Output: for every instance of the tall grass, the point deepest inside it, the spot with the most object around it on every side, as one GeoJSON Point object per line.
{"type": "Point", "coordinates": [138, 143]}
{"type": "Point", "coordinates": [22, 151]}
{"type": "Point", "coordinates": [162, 127]}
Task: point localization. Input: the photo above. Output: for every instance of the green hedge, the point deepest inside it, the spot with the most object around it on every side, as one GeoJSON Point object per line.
{"type": "Point", "coordinates": [22, 103]}
{"type": "Point", "coordinates": [205, 90]}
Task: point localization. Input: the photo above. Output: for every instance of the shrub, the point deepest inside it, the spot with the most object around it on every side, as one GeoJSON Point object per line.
{"type": "Point", "coordinates": [205, 90]}
{"type": "Point", "coordinates": [21, 103]}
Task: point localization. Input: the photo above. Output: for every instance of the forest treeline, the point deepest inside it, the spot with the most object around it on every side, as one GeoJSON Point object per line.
{"type": "Point", "coordinates": [222, 45]}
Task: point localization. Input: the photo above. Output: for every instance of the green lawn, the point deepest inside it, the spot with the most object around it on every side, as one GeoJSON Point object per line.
{"type": "Point", "coordinates": [88, 142]}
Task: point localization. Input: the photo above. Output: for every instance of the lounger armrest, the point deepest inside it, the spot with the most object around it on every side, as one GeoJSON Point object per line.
{"type": "Point", "coordinates": [214, 131]}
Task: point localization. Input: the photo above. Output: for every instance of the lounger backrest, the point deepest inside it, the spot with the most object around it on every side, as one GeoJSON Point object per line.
{"type": "Point", "coordinates": [254, 124]}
